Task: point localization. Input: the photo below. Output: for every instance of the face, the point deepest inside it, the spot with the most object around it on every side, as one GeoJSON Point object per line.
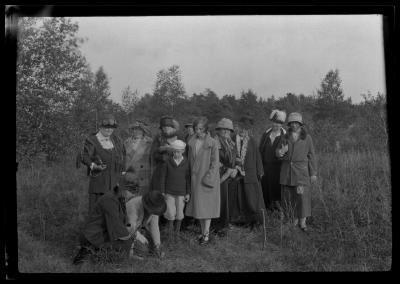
{"type": "Point", "coordinates": [276, 126]}
{"type": "Point", "coordinates": [137, 133]}
{"type": "Point", "coordinates": [168, 130]}
{"type": "Point", "coordinates": [190, 130]}
{"type": "Point", "coordinates": [294, 126]}
{"type": "Point", "coordinates": [226, 133]}
{"type": "Point", "coordinates": [243, 131]}
{"type": "Point", "coordinates": [106, 131]}
{"type": "Point", "coordinates": [178, 154]}
{"type": "Point", "coordinates": [200, 130]}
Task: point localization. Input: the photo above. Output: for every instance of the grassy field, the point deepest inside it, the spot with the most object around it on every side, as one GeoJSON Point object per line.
{"type": "Point", "coordinates": [351, 227]}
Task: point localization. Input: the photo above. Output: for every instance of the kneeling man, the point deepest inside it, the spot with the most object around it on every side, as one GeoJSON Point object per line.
{"type": "Point", "coordinates": [117, 219]}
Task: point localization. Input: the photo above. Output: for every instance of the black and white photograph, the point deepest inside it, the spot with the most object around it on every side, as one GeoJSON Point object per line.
{"type": "Point", "coordinates": [201, 143]}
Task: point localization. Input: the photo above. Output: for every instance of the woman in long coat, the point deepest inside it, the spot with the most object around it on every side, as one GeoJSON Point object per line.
{"type": "Point", "coordinates": [299, 169]}
{"type": "Point", "coordinates": [204, 203]}
{"type": "Point", "coordinates": [103, 154]}
{"type": "Point", "coordinates": [271, 163]}
{"type": "Point", "coordinates": [249, 196]}
{"type": "Point", "coordinates": [228, 172]}
{"type": "Point", "coordinates": [138, 155]}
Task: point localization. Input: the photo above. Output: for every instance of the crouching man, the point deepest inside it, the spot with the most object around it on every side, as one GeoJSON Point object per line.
{"type": "Point", "coordinates": [116, 221]}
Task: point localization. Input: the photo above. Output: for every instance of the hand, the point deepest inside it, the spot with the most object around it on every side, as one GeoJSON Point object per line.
{"type": "Point", "coordinates": [300, 189]}
{"type": "Point", "coordinates": [313, 179]}
{"type": "Point", "coordinates": [187, 197]}
{"type": "Point", "coordinates": [99, 167]}
{"type": "Point", "coordinates": [282, 151]}
{"type": "Point", "coordinates": [234, 173]}
{"type": "Point", "coordinates": [158, 252]}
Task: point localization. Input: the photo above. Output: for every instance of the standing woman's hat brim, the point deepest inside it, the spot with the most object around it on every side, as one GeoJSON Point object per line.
{"type": "Point", "coordinates": [225, 123]}
{"type": "Point", "coordinates": [295, 117]}
{"type": "Point", "coordinates": [141, 126]}
{"type": "Point", "coordinates": [109, 121]}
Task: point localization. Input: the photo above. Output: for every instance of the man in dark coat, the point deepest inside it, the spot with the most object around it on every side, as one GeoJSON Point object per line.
{"type": "Point", "coordinates": [248, 200]}
{"type": "Point", "coordinates": [108, 227]}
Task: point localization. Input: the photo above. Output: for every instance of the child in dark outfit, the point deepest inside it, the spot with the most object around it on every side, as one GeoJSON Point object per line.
{"type": "Point", "coordinates": [175, 185]}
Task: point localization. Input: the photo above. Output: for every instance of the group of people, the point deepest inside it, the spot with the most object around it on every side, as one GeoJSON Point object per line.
{"type": "Point", "coordinates": [145, 182]}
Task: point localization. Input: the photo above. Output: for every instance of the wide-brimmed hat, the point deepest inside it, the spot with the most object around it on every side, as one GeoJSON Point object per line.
{"type": "Point", "coordinates": [108, 120]}
{"type": "Point", "coordinates": [295, 117]}
{"type": "Point", "coordinates": [178, 145]}
{"type": "Point", "coordinates": [225, 123]}
{"type": "Point", "coordinates": [278, 116]}
{"type": "Point", "coordinates": [141, 125]}
{"type": "Point", "coordinates": [154, 202]}
{"type": "Point", "coordinates": [167, 121]}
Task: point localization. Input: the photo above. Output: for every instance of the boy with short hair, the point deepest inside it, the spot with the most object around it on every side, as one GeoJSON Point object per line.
{"type": "Point", "coordinates": [175, 185]}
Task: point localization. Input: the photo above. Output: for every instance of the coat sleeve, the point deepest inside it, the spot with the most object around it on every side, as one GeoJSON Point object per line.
{"type": "Point", "coordinates": [312, 162]}
{"type": "Point", "coordinates": [116, 228]}
{"type": "Point", "coordinates": [214, 161]}
{"type": "Point", "coordinates": [154, 230]}
{"type": "Point", "coordinates": [156, 155]}
{"type": "Point", "coordinates": [89, 151]}
{"type": "Point", "coordinates": [260, 168]}
{"type": "Point", "coordinates": [188, 180]}
{"type": "Point", "coordinates": [163, 177]}
{"type": "Point", "coordinates": [262, 142]}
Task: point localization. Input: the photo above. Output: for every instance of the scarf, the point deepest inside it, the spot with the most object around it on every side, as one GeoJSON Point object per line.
{"type": "Point", "coordinates": [227, 146]}
{"type": "Point", "coordinates": [242, 150]}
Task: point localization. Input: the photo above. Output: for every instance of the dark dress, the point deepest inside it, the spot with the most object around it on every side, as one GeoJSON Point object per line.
{"type": "Point", "coordinates": [158, 158]}
{"type": "Point", "coordinates": [227, 161]}
{"type": "Point", "coordinates": [114, 159]}
{"type": "Point", "coordinates": [247, 197]}
{"type": "Point", "coordinates": [272, 166]}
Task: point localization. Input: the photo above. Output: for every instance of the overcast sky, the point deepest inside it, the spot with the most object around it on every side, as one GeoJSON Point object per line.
{"type": "Point", "coordinates": [272, 55]}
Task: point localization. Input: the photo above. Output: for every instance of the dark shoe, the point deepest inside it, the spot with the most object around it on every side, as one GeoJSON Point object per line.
{"type": "Point", "coordinates": [205, 239]}
{"type": "Point", "coordinates": [82, 256]}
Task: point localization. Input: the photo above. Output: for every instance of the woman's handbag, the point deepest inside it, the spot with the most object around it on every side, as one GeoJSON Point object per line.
{"type": "Point", "coordinates": [208, 180]}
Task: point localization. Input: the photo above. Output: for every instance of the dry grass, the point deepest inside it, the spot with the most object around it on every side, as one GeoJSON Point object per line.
{"type": "Point", "coordinates": [351, 227]}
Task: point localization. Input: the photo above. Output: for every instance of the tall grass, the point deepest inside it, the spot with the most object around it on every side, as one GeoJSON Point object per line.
{"type": "Point", "coordinates": [351, 227]}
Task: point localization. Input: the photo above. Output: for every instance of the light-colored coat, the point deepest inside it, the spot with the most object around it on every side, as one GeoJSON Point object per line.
{"type": "Point", "coordinates": [135, 215]}
{"type": "Point", "coordinates": [138, 161]}
{"type": "Point", "coordinates": [204, 202]}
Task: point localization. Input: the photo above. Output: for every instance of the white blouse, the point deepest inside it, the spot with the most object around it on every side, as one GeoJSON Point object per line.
{"type": "Point", "coordinates": [105, 142]}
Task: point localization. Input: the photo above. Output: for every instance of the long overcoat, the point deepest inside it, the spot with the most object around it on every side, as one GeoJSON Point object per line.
{"type": "Point", "coordinates": [299, 162]}
{"type": "Point", "coordinates": [113, 158]}
{"type": "Point", "coordinates": [204, 201]}
{"type": "Point", "coordinates": [250, 199]}
{"type": "Point", "coordinates": [138, 160]}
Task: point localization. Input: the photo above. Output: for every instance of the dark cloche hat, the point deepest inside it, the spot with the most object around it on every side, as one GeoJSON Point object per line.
{"type": "Point", "coordinates": [154, 202]}
{"type": "Point", "coordinates": [167, 121]}
{"type": "Point", "coordinates": [108, 120]}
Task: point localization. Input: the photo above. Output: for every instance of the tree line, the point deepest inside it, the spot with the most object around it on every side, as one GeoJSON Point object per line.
{"type": "Point", "coordinates": [59, 100]}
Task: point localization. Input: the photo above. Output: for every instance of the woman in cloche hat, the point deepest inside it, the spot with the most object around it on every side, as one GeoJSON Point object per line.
{"type": "Point", "coordinates": [298, 170]}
